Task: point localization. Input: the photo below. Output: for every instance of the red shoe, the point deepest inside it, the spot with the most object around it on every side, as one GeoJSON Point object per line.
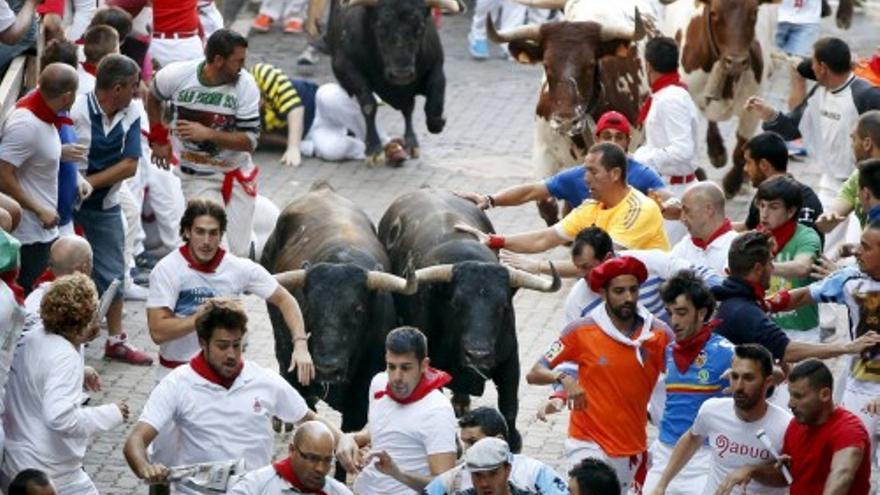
{"type": "Point", "coordinates": [262, 23]}
{"type": "Point", "coordinates": [127, 353]}
{"type": "Point", "coordinates": [293, 25]}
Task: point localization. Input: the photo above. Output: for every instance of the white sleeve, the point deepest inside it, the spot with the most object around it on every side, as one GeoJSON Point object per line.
{"type": "Point", "coordinates": [161, 405]}
{"type": "Point", "coordinates": [247, 115]}
{"type": "Point", "coordinates": [166, 80]}
{"type": "Point", "coordinates": [679, 147]}
{"type": "Point", "coordinates": [7, 16]}
{"type": "Point", "coordinates": [17, 145]}
{"type": "Point", "coordinates": [247, 484]}
{"type": "Point", "coordinates": [82, 124]}
{"type": "Point", "coordinates": [164, 289]}
{"type": "Point", "coordinates": [438, 431]}
{"type": "Point", "coordinates": [290, 407]}
{"type": "Point", "coordinates": [83, 11]}
{"type": "Point", "coordinates": [701, 426]}
{"type": "Point", "coordinates": [61, 403]}
{"type": "Point", "coordinates": [260, 282]}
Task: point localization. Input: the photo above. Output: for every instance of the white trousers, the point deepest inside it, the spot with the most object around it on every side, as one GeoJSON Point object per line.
{"type": "Point", "coordinates": [239, 211]}
{"type": "Point", "coordinates": [211, 18]}
{"type": "Point", "coordinates": [163, 206]}
{"type": "Point", "coordinates": [625, 467]}
{"type": "Point", "coordinates": [166, 51]}
{"type": "Point", "coordinates": [283, 9]}
{"type": "Point", "coordinates": [337, 113]}
{"type": "Point", "coordinates": [131, 200]}
{"type": "Point", "coordinates": [692, 478]}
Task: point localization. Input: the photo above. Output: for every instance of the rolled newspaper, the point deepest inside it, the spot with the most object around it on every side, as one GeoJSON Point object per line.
{"type": "Point", "coordinates": [207, 477]}
{"type": "Point", "coordinates": [764, 439]}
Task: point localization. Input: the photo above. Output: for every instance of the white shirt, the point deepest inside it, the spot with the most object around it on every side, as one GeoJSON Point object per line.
{"type": "Point", "coordinates": [12, 316]}
{"type": "Point", "coordinates": [800, 11]}
{"type": "Point", "coordinates": [734, 444]}
{"type": "Point", "coordinates": [34, 149]}
{"type": "Point", "coordinates": [216, 424]}
{"type": "Point", "coordinates": [826, 125]}
{"type": "Point", "coordinates": [409, 433]}
{"type": "Point", "coordinates": [7, 16]}
{"type": "Point", "coordinates": [176, 286]}
{"type": "Point", "coordinates": [714, 256]}
{"type": "Point", "coordinates": [45, 424]}
{"type": "Point", "coordinates": [671, 133]}
{"type": "Point", "coordinates": [86, 81]}
{"type": "Point", "coordinates": [525, 473]}
{"type": "Point", "coordinates": [265, 481]}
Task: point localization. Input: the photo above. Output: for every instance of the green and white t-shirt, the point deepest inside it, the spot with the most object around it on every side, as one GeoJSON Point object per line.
{"type": "Point", "coordinates": [804, 241]}
{"type": "Point", "coordinates": [226, 107]}
{"type": "Point", "coordinates": [849, 193]}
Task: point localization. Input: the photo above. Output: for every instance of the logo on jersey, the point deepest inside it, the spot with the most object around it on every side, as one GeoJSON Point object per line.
{"type": "Point", "coordinates": [703, 376]}
{"type": "Point", "coordinates": [258, 408]}
{"type": "Point", "coordinates": [701, 359]}
{"type": "Point", "coordinates": [554, 351]}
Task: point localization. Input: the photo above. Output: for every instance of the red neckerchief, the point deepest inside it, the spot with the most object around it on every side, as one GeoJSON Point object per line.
{"type": "Point", "coordinates": [11, 279]}
{"type": "Point", "coordinates": [285, 470]}
{"type": "Point", "coordinates": [725, 228]}
{"type": "Point", "coordinates": [782, 234]}
{"type": "Point", "coordinates": [90, 68]}
{"type": "Point", "coordinates": [670, 79]}
{"type": "Point", "coordinates": [684, 353]}
{"type": "Point", "coordinates": [200, 365]}
{"type": "Point", "coordinates": [432, 379]}
{"type": "Point", "coordinates": [37, 105]}
{"type": "Point", "coordinates": [760, 293]}
{"type": "Point", "coordinates": [874, 64]}
{"type": "Point", "coordinates": [47, 276]}
{"type": "Point", "coordinates": [209, 267]}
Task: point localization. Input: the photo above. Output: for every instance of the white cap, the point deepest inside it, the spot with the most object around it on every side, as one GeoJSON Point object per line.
{"type": "Point", "coordinates": [487, 454]}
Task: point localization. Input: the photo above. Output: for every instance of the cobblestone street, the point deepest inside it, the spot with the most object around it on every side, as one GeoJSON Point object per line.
{"type": "Point", "coordinates": [486, 146]}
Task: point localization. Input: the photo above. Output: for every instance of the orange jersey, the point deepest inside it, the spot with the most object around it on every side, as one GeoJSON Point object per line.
{"type": "Point", "coordinates": [869, 70]}
{"type": "Point", "coordinates": [617, 386]}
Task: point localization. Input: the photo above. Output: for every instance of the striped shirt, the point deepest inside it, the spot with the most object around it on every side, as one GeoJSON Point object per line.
{"type": "Point", "coordinates": [280, 96]}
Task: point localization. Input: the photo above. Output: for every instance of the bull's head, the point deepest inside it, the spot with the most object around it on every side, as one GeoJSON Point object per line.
{"type": "Point", "coordinates": [570, 52]}
{"type": "Point", "coordinates": [730, 32]}
{"type": "Point", "coordinates": [399, 26]}
{"type": "Point", "coordinates": [476, 307]}
{"type": "Point", "coordinates": [341, 303]}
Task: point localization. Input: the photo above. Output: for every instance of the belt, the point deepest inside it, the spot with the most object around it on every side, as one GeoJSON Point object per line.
{"type": "Point", "coordinates": [248, 183]}
{"type": "Point", "coordinates": [175, 36]}
{"type": "Point", "coordinates": [169, 363]}
{"type": "Point", "coordinates": [681, 179]}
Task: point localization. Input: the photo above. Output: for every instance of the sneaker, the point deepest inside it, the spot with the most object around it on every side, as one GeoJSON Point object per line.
{"type": "Point", "coordinates": [134, 292]}
{"type": "Point", "coordinates": [262, 23]}
{"type": "Point", "coordinates": [140, 277]}
{"type": "Point", "coordinates": [309, 56]}
{"type": "Point", "coordinates": [294, 25]}
{"type": "Point", "coordinates": [145, 261]}
{"type": "Point", "coordinates": [479, 48]}
{"type": "Point", "coordinates": [127, 353]}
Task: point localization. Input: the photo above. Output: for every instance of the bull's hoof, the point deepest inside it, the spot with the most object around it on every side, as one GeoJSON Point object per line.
{"type": "Point", "coordinates": [701, 174]}
{"type": "Point", "coordinates": [718, 159]}
{"type": "Point", "coordinates": [732, 182]}
{"type": "Point", "coordinates": [515, 441]}
{"type": "Point", "coordinates": [276, 424]}
{"type": "Point", "coordinates": [461, 408]}
{"type": "Point", "coordinates": [414, 151]}
{"type": "Point", "coordinates": [435, 124]}
{"type": "Point", "coordinates": [375, 160]}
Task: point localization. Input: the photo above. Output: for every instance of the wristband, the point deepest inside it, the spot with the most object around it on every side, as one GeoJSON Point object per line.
{"type": "Point", "coordinates": [158, 134]}
{"type": "Point", "coordinates": [496, 241]}
{"type": "Point", "coordinates": [559, 394]}
{"type": "Point", "coordinates": [779, 302]}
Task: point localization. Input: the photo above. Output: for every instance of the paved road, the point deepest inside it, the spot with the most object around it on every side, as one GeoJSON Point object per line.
{"type": "Point", "coordinates": [486, 146]}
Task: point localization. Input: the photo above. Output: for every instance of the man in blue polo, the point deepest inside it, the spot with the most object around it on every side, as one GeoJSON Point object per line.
{"type": "Point", "coordinates": [108, 124]}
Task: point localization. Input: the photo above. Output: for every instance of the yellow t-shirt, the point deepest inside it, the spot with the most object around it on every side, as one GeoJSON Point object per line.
{"type": "Point", "coordinates": [635, 222]}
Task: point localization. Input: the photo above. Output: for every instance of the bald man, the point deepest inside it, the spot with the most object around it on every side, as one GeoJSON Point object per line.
{"type": "Point", "coordinates": [30, 150]}
{"type": "Point", "coordinates": [304, 470]}
{"type": "Point", "coordinates": [710, 232]}
{"type": "Point", "coordinates": [68, 255]}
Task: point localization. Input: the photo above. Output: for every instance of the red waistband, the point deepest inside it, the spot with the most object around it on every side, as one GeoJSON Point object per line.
{"type": "Point", "coordinates": [175, 36]}
{"type": "Point", "coordinates": [681, 179]}
{"type": "Point", "coordinates": [169, 363]}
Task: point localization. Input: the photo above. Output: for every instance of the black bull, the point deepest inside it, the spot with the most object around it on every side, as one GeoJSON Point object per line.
{"type": "Point", "coordinates": [326, 253]}
{"type": "Point", "coordinates": [464, 301]}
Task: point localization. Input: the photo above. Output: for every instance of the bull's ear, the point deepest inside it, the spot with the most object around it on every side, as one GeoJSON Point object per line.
{"type": "Point", "coordinates": [526, 51]}
{"type": "Point", "coordinates": [617, 48]}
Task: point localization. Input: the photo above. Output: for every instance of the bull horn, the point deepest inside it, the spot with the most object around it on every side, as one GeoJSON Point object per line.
{"type": "Point", "coordinates": [528, 32]}
{"type": "Point", "coordinates": [451, 6]}
{"type": "Point", "coordinates": [638, 32]}
{"type": "Point", "coordinates": [355, 3]}
{"type": "Point", "coordinates": [436, 273]}
{"type": "Point", "coordinates": [294, 279]}
{"type": "Point", "coordinates": [544, 4]}
{"type": "Point", "coordinates": [377, 280]}
{"type": "Point", "coordinates": [526, 280]}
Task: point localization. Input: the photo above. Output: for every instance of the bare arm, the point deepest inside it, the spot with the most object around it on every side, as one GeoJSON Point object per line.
{"type": "Point", "coordinates": [798, 351]}
{"type": "Point", "coordinates": [165, 326]}
{"type": "Point", "coordinates": [564, 268]}
{"type": "Point", "coordinates": [19, 28]}
{"type": "Point", "coordinates": [522, 193]}
{"type": "Point", "coordinates": [114, 174]}
{"type": "Point", "coordinates": [833, 216]}
{"type": "Point", "coordinates": [292, 314]}
{"type": "Point", "coordinates": [800, 267]}
{"type": "Point", "coordinates": [536, 241]}
{"type": "Point", "coordinates": [295, 124]}
{"type": "Point", "coordinates": [135, 450]}
{"type": "Point", "coordinates": [844, 465]}
{"type": "Point", "coordinates": [12, 187]}
{"type": "Point", "coordinates": [229, 140]}
{"type": "Point", "coordinates": [684, 449]}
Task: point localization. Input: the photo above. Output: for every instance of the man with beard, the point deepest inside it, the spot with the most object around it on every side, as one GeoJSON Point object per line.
{"type": "Point", "coordinates": [218, 387]}
{"type": "Point", "coordinates": [215, 124]}
{"type": "Point", "coordinates": [695, 364]}
{"type": "Point", "coordinates": [305, 470]}
{"type": "Point", "coordinates": [731, 425]}
{"type": "Point", "coordinates": [825, 445]}
{"type": "Point", "coordinates": [619, 349]}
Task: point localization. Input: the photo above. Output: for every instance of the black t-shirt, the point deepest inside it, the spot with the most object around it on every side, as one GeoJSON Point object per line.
{"type": "Point", "coordinates": [810, 210]}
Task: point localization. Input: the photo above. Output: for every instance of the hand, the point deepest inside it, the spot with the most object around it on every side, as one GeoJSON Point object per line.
{"type": "Point", "coordinates": [519, 261]}
{"type": "Point", "coordinates": [193, 131]}
{"type": "Point", "coordinates": [348, 453]}
{"type": "Point", "coordinates": [163, 157]}
{"type": "Point", "coordinates": [123, 408]}
{"type": "Point", "coordinates": [671, 209]}
{"type": "Point", "coordinates": [740, 477]}
{"type": "Point", "coordinates": [867, 340]}
{"type": "Point", "coordinates": [552, 405]}
{"type": "Point", "coordinates": [385, 464]}
{"type": "Point", "coordinates": [91, 379]}
{"type": "Point", "coordinates": [83, 188]}
{"type": "Point", "coordinates": [153, 473]}
{"type": "Point", "coordinates": [822, 267]}
{"type": "Point", "coordinates": [873, 407]}
{"type": "Point", "coordinates": [302, 361]}
{"type": "Point", "coordinates": [48, 217]}
{"type": "Point", "coordinates": [291, 157]}
{"type": "Point", "coordinates": [72, 152]}
{"type": "Point", "coordinates": [480, 235]}
{"type": "Point", "coordinates": [481, 200]}
{"type": "Point", "coordinates": [846, 250]}
{"type": "Point", "coordinates": [828, 220]}
{"type": "Point", "coordinates": [762, 108]}
{"type": "Point", "coordinates": [577, 398]}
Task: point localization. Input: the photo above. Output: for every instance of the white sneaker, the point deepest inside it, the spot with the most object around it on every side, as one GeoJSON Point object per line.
{"type": "Point", "coordinates": [134, 292]}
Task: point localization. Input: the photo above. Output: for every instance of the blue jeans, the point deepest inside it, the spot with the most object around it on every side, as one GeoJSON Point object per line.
{"type": "Point", "coordinates": [104, 231]}
{"type": "Point", "coordinates": [797, 39]}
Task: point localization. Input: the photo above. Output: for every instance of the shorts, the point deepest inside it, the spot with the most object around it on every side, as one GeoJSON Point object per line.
{"type": "Point", "coordinates": [692, 478]}
{"type": "Point", "coordinates": [797, 39]}
{"type": "Point", "coordinates": [106, 234]}
{"type": "Point", "coordinates": [630, 470]}
{"type": "Point", "coordinates": [167, 51]}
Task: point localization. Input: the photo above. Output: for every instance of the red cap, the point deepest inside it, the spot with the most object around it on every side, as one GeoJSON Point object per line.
{"type": "Point", "coordinates": [613, 120]}
{"type": "Point", "coordinates": [615, 267]}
